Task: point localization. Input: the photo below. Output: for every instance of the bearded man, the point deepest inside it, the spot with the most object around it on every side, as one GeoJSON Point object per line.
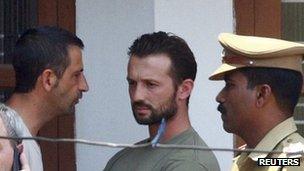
{"type": "Point", "coordinates": [161, 74]}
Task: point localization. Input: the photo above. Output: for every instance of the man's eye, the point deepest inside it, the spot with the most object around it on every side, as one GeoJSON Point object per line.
{"type": "Point", "coordinates": [77, 75]}
{"type": "Point", "coordinates": [131, 83]}
{"type": "Point", "coordinates": [151, 85]}
{"type": "Point", "coordinates": [228, 85]}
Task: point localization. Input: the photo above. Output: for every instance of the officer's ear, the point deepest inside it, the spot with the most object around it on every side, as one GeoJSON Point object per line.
{"type": "Point", "coordinates": [49, 79]}
{"type": "Point", "coordinates": [263, 94]}
{"type": "Point", "coordinates": [184, 89]}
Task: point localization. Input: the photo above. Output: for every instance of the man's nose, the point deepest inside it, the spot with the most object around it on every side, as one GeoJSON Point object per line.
{"type": "Point", "coordinates": [138, 93]}
{"type": "Point", "coordinates": [83, 86]}
{"type": "Point", "coordinates": [220, 98]}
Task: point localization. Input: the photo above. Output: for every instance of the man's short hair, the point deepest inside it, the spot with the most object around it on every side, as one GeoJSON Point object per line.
{"type": "Point", "coordinates": [38, 49]}
{"type": "Point", "coordinates": [183, 64]}
{"type": "Point", "coordinates": [286, 84]}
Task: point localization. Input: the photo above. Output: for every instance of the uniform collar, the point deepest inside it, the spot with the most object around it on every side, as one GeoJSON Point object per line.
{"type": "Point", "coordinates": [273, 137]}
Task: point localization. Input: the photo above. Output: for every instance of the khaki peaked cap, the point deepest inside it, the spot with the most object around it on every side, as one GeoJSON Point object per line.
{"type": "Point", "coordinates": [250, 51]}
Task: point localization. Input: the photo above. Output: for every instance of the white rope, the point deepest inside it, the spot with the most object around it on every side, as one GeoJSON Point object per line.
{"type": "Point", "coordinates": [158, 145]}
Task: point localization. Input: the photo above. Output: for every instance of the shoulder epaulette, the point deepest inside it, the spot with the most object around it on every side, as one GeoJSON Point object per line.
{"type": "Point", "coordinates": [294, 150]}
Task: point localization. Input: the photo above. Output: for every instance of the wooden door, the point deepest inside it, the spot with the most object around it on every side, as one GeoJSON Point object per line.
{"type": "Point", "coordinates": [58, 156]}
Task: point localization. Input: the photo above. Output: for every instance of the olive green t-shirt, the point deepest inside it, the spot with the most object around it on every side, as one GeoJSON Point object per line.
{"type": "Point", "coordinates": [160, 159]}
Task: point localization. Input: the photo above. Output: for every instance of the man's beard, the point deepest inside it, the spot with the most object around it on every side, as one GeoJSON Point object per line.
{"type": "Point", "coordinates": [70, 110]}
{"type": "Point", "coordinates": [166, 110]}
{"type": "Point", "coordinates": [68, 106]}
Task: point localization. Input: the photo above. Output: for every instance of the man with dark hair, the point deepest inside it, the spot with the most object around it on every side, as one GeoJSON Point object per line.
{"type": "Point", "coordinates": [263, 83]}
{"type": "Point", "coordinates": [49, 82]}
{"type": "Point", "coordinates": [161, 74]}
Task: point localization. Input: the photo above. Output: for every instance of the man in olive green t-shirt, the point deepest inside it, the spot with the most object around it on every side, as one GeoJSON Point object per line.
{"type": "Point", "coordinates": [161, 74]}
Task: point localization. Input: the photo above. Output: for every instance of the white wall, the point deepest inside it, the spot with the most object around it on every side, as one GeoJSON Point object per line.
{"type": "Point", "coordinates": [199, 22]}
{"type": "Point", "coordinates": [108, 28]}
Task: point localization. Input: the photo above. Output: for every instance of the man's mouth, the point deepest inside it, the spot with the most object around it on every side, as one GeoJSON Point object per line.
{"type": "Point", "coordinates": [142, 109]}
{"type": "Point", "coordinates": [221, 109]}
{"type": "Point", "coordinates": [78, 98]}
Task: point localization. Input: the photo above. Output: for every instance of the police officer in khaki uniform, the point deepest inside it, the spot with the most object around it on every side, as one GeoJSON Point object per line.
{"type": "Point", "coordinates": [263, 79]}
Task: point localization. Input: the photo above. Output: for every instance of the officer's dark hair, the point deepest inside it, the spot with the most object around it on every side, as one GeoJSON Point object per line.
{"type": "Point", "coordinates": [183, 64]}
{"type": "Point", "coordinates": [38, 49]}
{"type": "Point", "coordinates": [285, 84]}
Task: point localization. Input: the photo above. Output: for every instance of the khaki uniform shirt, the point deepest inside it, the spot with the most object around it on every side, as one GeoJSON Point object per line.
{"type": "Point", "coordinates": [283, 137]}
